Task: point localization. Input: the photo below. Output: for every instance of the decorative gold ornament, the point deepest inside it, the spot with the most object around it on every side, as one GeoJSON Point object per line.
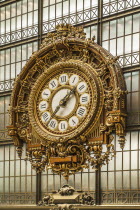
{"type": "Point", "coordinates": [66, 102]}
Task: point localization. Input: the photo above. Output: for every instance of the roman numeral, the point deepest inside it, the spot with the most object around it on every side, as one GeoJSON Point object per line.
{"type": "Point", "coordinates": [45, 117]}
{"type": "Point", "coordinates": [73, 79]}
{"type": "Point", "coordinates": [43, 106]}
{"type": "Point", "coordinates": [81, 111]}
{"type": "Point", "coordinates": [63, 78]}
{"type": "Point", "coordinates": [84, 99]}
{"type": "Point", "coordinates": [53, 84]}
{"type": "Point", "coordinates": [46, 94]}
{"type": "Point", "coordinates": [52, 124]}
{"type": "Point", "coordinates": [73, 122]}
{"type": "Point", "coordinates": [63, 126]}
{"type": "Point", "coordinates": [81, 87]}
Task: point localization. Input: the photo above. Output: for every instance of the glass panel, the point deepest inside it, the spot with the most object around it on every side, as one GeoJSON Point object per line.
{"type": "Point", "coordinates": [126, 180]}
{"type": "Point", "coordinates": [128, 102]}
{"type": "Point", "coordinates": [72, 6]}
{"type": "Point", "coordinates": [120, 27]}
{"type": "Point", "coordinates": [7, 26]}
{"type": "Point", "coordinates": [134, 180]}
{"type": "Point", "coordinates": [19, 8]}
{"type": "Point", "coordinates": [78, 181]}
{"type": "Point", "coordinates": [79, 5]}
{"type": "Point", "coordinates": [94, 32]}
{"type": "Point", "coordinates": [1, 185]}
{"type": "Point", "coordinates": [105, 45]}
{"type": "Point", "coordinates": [12, 164]}
{"type": "Point", "coordinates": [119, 180]}
{"type": "Point", "coordinates": [136, 23]}
{"type": "Point", "coordinates": [94, 2]}
{"type": "Point", "coordinates": [1, 170]}
{"type": "Point", "coordinates": [112, 29]}
{"type": "Point", "coordinates": [113, 47]}
{"type": "Point", "coordinates": [2, 122]}
{"type": "Point", "coordinates": [7, 11]}
{"type": "Point", "coordinates": [30, 5]}
{"type": "Point", "coordinates": [52, 12]}
{"type": "Point", "coordinates": [126, 160]}
{"type": "Point", "coordinates": [1, 104]}
{"type": "Point", "coordinates": [111, 180]}
{"type": "Point", "coordinates": [128, 25]}
{"type": "Point", "coordinates": [18, 22]}
{"type": "Point", "coordinates": [2, 27]}
{"type": "Point", "coordinates": [87, 31]}
{"type": "Point", "coordinates": [128, 44]}
{"type": "Point", "coordinates": [135, 102]}
{"type": "Point", "coordinates": [30, 18]}
{"type": "Point", "coordinates": [134, 140]}
{"type": "Point", "coordinates": [119, 161]}
{"type": "Point", "coordinates": [85, 183]}
{"type": "Point", "coordinates": [36, 17]}
{"type": "Point", "coordinates": [13, 24]}
{"type": "Point", "coordinates": [2, 13]}
{"type": "Point", "coordinates": [65, 7]}
{"type": "Point", "coordinates": [45, 3]}
{"type": "Point", "coordinates": [135, 81]}
{"type": "Point", "coordinates": [45, 14]}
{"type": "Point", "coordinates": [103, 180]}
{"type": "Point", "coordinates": [128, 81]}
{"type": "Point", "coordinates": [12, 184]}
{"type": "Point", "coordinates": [13, 10]}
{"type": "Point", "coordinates": [134, 159]}
{"type": "Point", "coordinates": [24, 6]}
{"type": "Point", "coordinates": [24, 21]}
{"type": "Point", "coordinates": [105, 31]}
{"type": "Point", "coordinates": [86, 4]}
{"type": "Point", "coordinates": [7, 168]}
{"type": "Point", "coordinates": [136, 38]}
{"type": "Point", "coordinates": [92, 181]}
{"type": "Point", "coordinates": [6, 185]}
{"type": "Point", "coordinates": [59, 10]}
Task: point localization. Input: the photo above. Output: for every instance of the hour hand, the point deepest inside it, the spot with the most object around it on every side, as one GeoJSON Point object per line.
{"type": "Point", "coordinates": [54, 113]}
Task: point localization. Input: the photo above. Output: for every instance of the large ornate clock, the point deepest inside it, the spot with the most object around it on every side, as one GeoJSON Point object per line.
{"type": "Point", "coordinates": [66, 102]}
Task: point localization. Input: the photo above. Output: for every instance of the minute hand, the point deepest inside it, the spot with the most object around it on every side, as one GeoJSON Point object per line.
{"type": "Point", "coordinates": [66, 98]}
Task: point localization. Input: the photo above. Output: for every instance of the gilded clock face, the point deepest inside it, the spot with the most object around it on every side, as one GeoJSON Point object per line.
{"type": "Point", "coordinates": [63, 102]}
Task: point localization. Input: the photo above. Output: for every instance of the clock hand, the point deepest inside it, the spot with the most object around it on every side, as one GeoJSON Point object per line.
{"type": "Point", "coordinates": [54, 113]}
{"type": "Point", "coordinates": [62, 103]}
{"type": "Point", "coordinates": [66, 98]}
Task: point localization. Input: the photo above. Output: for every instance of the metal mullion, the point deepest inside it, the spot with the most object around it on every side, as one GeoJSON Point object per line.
{"type": "Point", "coordinates": [138, 160]}
{"type": "Point", "coordinates": [21, 17]}
{"type": "Point", "coordinates": [48, 14]}
{"type": "Point", "coordinates": [4, 175]}
{"type": "Point", "coordinates": [20, 177]}
{"type": "Point", "coordinates": [107, 181]}
{"type": "Point", "coordinates": [69, 11]}
{"type": "Point", "coordinates": [115, 171]}
{"type": "Point", "coordinates": [26, 177]}
{"type": "Point", "coordinates": [62, 10]}
{"type": "Point", "coordinates": [130, 164]}
{"type": "Point", "coordinates": [76, 12]}
{"type": "Point", "coordinates": [16, 17]}
{"type": "Point", "coordinates": [116, 35]}
{"type": "Point", "coordinates": [131, 40]}
{"type": "Point", "coordinates": [9, 173]}
{"type": "Point", "coordinates": [33, 11]}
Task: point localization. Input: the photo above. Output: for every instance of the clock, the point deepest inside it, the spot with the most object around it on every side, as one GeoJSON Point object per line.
{"type": "Point", "coordinates": [63, 102]}
{"type": "Point", "coordinates": [66, 102]}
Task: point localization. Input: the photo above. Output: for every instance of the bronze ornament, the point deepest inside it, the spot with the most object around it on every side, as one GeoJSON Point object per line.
{"type": "Point", "coordinates": [70, 143]}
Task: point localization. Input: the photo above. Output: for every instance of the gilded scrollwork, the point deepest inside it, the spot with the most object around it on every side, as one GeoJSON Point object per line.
{"type": "Point", "coordinates": [68, 49]}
